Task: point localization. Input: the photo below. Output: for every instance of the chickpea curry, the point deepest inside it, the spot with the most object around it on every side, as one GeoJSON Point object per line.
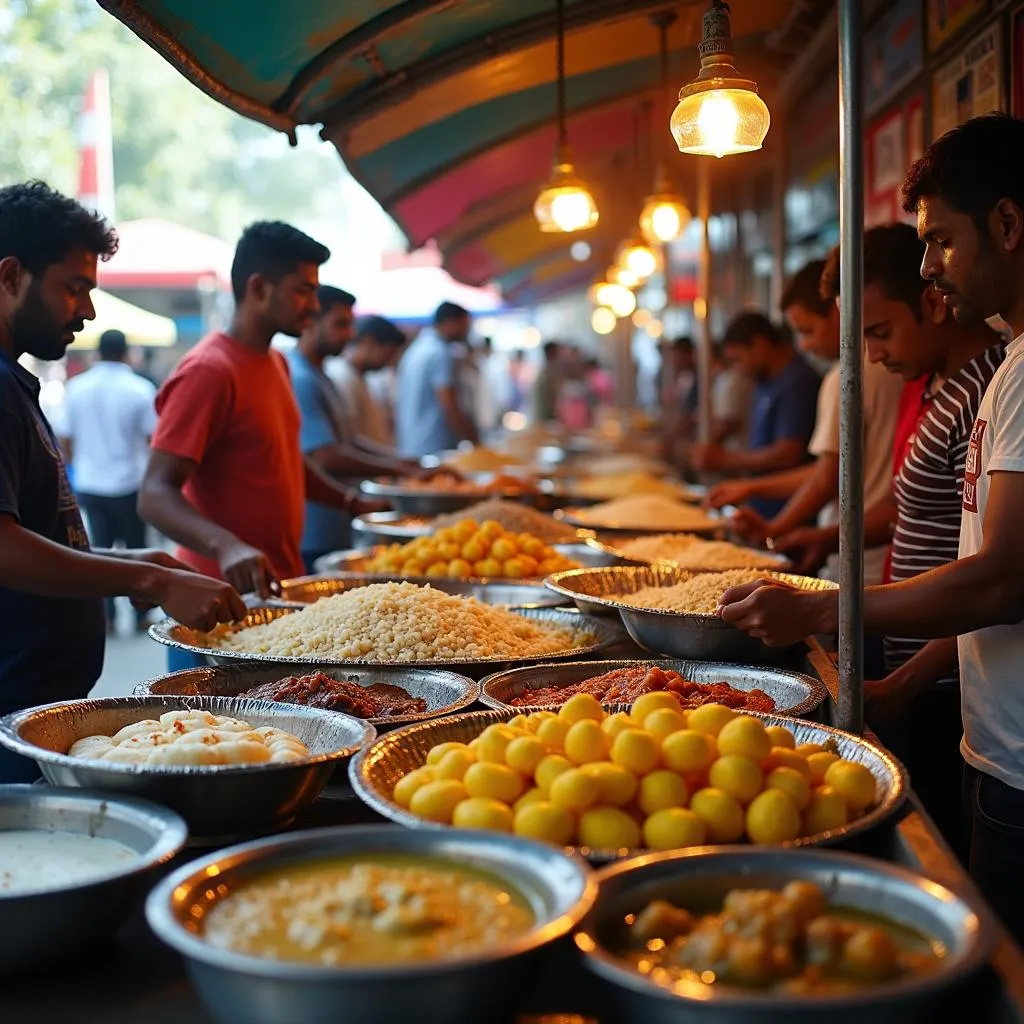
{"type": "Point", "coordinates": [790, 942]}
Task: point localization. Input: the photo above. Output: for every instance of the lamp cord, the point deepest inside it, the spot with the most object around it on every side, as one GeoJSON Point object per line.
{"type": "Point", "coordinates": [560, 70]}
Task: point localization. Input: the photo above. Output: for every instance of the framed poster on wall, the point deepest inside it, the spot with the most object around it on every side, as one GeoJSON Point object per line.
{"type": "Point", "coordinates": [893, 52]}
{"type": "Point", "coordinates": [970, 84]}
{"type": "Point", "coordinates": [947, 17]}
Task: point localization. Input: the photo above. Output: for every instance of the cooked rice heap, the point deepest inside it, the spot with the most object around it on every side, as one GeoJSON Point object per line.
{"type": "Point", "coordinates": [696, 596]}
{"type": "Point", "coordinates": [513, 517]}
{"type": "Point", "coordinates": [691, 552]}
{"type": "Point", "coordinates": [645, 512]}
{"type": "Point", "coordinates": [401, 622]}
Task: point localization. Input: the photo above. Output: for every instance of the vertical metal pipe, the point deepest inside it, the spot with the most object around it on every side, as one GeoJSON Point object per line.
{"type": "Point", "coordinates": [851, 361]}
{"type": "Point", "coordinates": [704, 293]}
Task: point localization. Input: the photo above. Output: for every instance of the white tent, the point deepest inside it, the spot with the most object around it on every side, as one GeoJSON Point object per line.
{"type": "Point", "coordinates": [140, 326]}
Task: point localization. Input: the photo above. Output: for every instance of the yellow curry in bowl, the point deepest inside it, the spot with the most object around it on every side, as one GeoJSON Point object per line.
{"type": "Point", "coordinates": [360, 911]}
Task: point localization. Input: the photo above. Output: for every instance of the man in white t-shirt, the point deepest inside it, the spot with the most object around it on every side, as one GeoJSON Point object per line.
{"type": "Point", "coordinates": [108, 419]}
{"type": "Point", "coordinates": [968, 193]}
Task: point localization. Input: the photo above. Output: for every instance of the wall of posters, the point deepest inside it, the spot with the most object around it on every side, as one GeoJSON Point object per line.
{"type": "Point", "coordinates": [893, 51]}
{"type": "Point", "coordinates": [892, 144]}
{"type": "Point", "coordinates": [970, 84]}
{"type": "Point", "coordinates": [947, 17]}
{"type": "Point", "coordinates": [1017, 62]}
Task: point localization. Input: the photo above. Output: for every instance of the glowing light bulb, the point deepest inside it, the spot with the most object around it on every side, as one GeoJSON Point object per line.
{"type": "Point", "coordinates": [718, 123]}
{"type": "Point", "coordinates": [571, 210]}
{"type": "Point", "coordinates": [621, 301]}
{"type": "Point", "coordinates": [638, 259]}
{"type": "Point", "coordinates": [602, 320]}
{"type": "Point", "coordinates": [666, 222]}
{"type": "Point", "coordinates": [626, 277]}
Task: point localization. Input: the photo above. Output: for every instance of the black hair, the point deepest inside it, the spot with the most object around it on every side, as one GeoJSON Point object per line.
{"type": "Point", "coordinates": [40, 227]}
{"type": "Point", "coordinates": [113, 346]}
{"type": "Point", "coordinates": [272, 249]}
{"type": "Point", "coordinates": [381, 330]}
{"type": "Point", "coordinates": [328, 297]}
{"type": "Point", "coordinates": [892, 258]}
{"type": "Point", "coordinates": [971, 168]}
{"type": "Point", "coordinates": [748, 326]}
{"type": "Point", "coordinates": [804, 289]}
{"type": "Point", "coordinates": [449, 311]}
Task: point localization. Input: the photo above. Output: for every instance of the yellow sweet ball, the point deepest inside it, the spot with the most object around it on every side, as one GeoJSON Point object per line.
{"type": "Point", "coordinates": [487, 567]}
{"type": "Point", "coordinates": [806, 749]}
{"type": "Point", "coordinates": [636, 751]}
{"type": "Point", "coordinates": [819, 765]}
{"type": "Point", "coordinates": [549, 768]}
{"type": "Point", "coordinates": [495, 781]}
{"type": "Point", "coordinates": [781, 736]}
{"type": "Point", "coordinates": [772, 817]}
{"type": "Point", "coordinates": [518, 722]}
{"type": "Point", "coordinates": [608, 828]}
{"type": "Point", "coordinates": [581, 706]}
{"type": "Point", "coordinates": [531, 796]}
{"type": "Point", "coordinates": [408, 784]}
{"type": "Point", "coordinates": [459, 568]}
{"type": "Point", "coordinates": [436, 753]}
{"type": "Point", "coordinates": [455, 764]}
{"type": "Point", "coordinates": [663, 722]}
{"type": "Point", "coordinates": [710, 718]}
{"type": "Point", "coordinates": [504, 548]}
{"type": "Point", "coordinates": [585, 742]}
{"type": "Point", "coordinates": [491, 529]}
{"type": "Point", "coordinates": [514, 569]}
{"type": "Point", "coordinates": [437, 570]}
{"type": "Point", "coordinates": [545, 822]}
{"type": "Point", "coordinates": [448, 551]}
{"type": "Point", "coordinates": [853, 782]}
{"type": "Point", "coordinates": [617, 785]}
{"type": "Point", "coordinates": [739, 776]}
{"type": "Point", "coordinates": [481, 812]}
{"type": "Point", "coordinates": [745, 737]}
{"type": "Point", "coordinates": [689, 751]}
{"type": "Point", "coordinates": [674, 828]}
{"type": "Point", "coordinates": [826, 811]}
{"type": "Point", "coordinates": [473, 550]}
{"type": "Point", "coordinates": [656, 700]}
{"type": "Point", "coordinates": [574, 790]}
{"type": "Point", "coordinates": [552, 733]}
{"type": "Point", "coordinates": [662, 789]}
{"type": "Point", "coordinates": [524, 753]}
{"type": "Point", "coordinates": [494, 741]}
{"type": "Point", "coordinates": [436, 801]}
{"type": "Point", "coordinates": [795, 785]}
{"type": "Point", "coordinates": [721, 813]}
{"type": "Point", "coordinates": [535, 719]}
{"type": "Point", "coordinates": [614, 724]}
{"type": "Point", "coordinates": [783, 757]}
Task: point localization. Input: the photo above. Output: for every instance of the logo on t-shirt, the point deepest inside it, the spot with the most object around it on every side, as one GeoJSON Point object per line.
{"type": "Point", "coordinates": [972, 467]}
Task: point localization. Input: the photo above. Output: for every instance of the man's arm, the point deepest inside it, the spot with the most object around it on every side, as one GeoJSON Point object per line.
{"type": "Point", "coordinates": [348, 460]}
{"type": "Point", "coordinates": [820, 487]}
{"type": "Point", "coordinates": [891, 698]}
{"type": "Point", "coordinates": [34, 565]}
{"type": "Point", "coordinates": [163, 505]}
{"type": "Point", "coordinates": [783, 454]}
{"type": "Point", "coordinates": [462, 426]}
{"type": "Point", "coordinates": [775, 485]}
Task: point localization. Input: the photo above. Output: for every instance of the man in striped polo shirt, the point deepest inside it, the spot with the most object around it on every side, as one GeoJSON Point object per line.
{"type": "Point", "coordinates": [968, 193]}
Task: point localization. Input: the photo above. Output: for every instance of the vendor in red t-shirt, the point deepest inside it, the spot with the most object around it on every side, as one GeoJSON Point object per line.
{"type": "Point", "coordinates": [226, 478]}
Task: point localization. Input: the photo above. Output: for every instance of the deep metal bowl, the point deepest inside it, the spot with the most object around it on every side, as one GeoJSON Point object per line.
{"type": "Point", "coordinates": [376, 769]}
{"type": "Point", "coordinates": [593, 635]}
{"type": "Point", "coordinates": [667, 633]}
{"type": "Point", "coordinates": [700, 879]}
{"type": "Point", "coordinates": [418, 501]}
{"type": "Point", "coordinates": [218, 802]}
{"type": "Point", "coordinates": [507, 592]}
{"type": "Point", "coordinates": [47, 925]}
{"type": "Point", "coordinates": [236, 987]}
{"type": "Point", "coordinates": [715, 525]}
{"type": "Point", "coordinates": [793, 692]}
{"type": "Point", "coordinates": [444, 692]}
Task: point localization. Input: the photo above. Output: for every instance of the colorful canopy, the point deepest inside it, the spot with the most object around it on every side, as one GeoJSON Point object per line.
{"type": "Point", "coordinates": [445, 111]}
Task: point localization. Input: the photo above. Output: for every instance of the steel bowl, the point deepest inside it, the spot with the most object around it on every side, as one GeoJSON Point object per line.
{"type": "Point", "coordinates": [373, 528]}
{"type": "Point", "coordinates": [419, 501]}
{"type": "Point", "coordinates": [793, 692]}
{"type": "Point", "coordinates": [218, 802]}
{"type": "Point", "coordinates": [376, 769]}
{"type": "Point", "coordinates": [444, 692]}
{"type": "Point", "coordinates": [340, 566]}
{"type": "Point", "coordinates": [714, 525]}
{"type": "Point", "coordinates": [701, 878]}
{"type": "Point", "coordinates": [44, 925]}
{"type": "Point", "coordinates": [667, 633]}
{"type": "Point", "coordinates": [235, 986]}
{"type": "Point", "coordinates": [593, 635]}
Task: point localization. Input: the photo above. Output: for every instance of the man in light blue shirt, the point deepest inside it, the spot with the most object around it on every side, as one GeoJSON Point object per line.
{"type": "Point", "coordinates": [429, 416]}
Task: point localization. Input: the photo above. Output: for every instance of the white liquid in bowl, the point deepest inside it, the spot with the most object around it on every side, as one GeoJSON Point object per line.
{"type": "Point", "coordinates": [36, 860]}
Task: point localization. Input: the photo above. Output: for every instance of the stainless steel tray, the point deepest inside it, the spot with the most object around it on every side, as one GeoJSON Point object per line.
{"type": "Point", "coordinates": [595, 635]}
{"type": "Point", "coordinates": [374, 528]}
{"type": "Point", "coordinates": [577, 516]}
{"type": "Point", "coordinates": [379, 766]}
{"type": "Point", "coordinates": [670, 634]}
{"type": "Point", "coordinates": [793, 692]}
{"type": "Point", "coordinates": [417, 501]}
{"type": "Point", "coordinates": [502, 593]}
{"type": "Point", "coordinates": [444, 692]}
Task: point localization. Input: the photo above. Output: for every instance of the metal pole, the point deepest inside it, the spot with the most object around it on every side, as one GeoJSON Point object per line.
{"type": "Point", "coordinates": [704, 294]}
{"type": "Point", "coordinates": [851, 361]}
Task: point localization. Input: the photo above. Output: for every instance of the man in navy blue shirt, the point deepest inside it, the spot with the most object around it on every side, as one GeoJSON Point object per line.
{"type": "Point", "coordinates": [784, 405]}
{"type": "Point", "coordinates": [51, 585]}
